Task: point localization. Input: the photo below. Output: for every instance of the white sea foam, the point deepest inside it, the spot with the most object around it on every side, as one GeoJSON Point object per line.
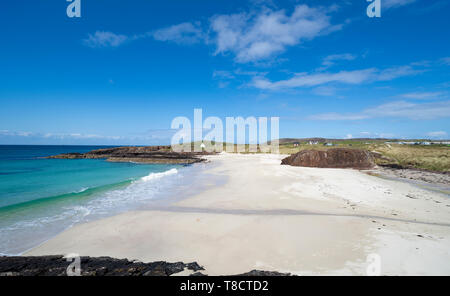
{"type": "Point", "coordinates": [154, 176]}
{"type": "Point", "coordinates": [83, 189]}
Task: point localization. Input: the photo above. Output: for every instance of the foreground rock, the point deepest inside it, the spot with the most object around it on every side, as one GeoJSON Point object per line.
{"type": "Point", "coordinates": [332, 158]}
{"type": "Point", "coordinates": [101, 266]}
{"type": "Point", "coordinates": [150, 154]}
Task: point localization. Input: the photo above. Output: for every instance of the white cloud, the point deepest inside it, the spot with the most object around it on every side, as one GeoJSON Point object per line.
{"type": "Point", "coordinates": [422, 95]}
{"type": "Point", "coordinates": [377, 135]}
{"type": "Point", "coordinates": [338, 116]}
{"type": "Point", "coordinates": [105, 39]}
{"type": "Point", "coordinates": [75, 136]}
{"type": "Point", "coordinates": [161, 136]}
{"type": "Point", "coordinates": [55, 135]}
{"type": "Point", "coordinates": [222, 74]}
{"type": "Point", "coordinates": [250, 37]}
{"type": "Point", "coordinates": [253, 37]}
{"type": "Point", "coordinates": [223, 84]}
{"type": "Point", "coordinates": [446, 61]}
{"type": "Point", "coordinates": [395, 72]}
{"type": "Point", "coordinates": [395, 3]}
{"type": "Point", "coordinates": [324, 91]}
{"type": "Point", "coordinates": [438, 135]}
{"type": "Point", "coordinates": [397, 109]}
{"type": "Point", "coordinates": [345, 77]}
{"type": "Point", "coordinates": [184, 33]}
{"type": "Point", "coordinates": [332, 59]}
{"type": "Point", "coordinates": [308, 80]}
{"type": "Point", "coordinates": [15, 133]}
{"type": "Point", "coordinates": [349, 136]}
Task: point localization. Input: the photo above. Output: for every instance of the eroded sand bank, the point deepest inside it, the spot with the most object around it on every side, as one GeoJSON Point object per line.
{"type": "Point", "coordinates": [288, 219]}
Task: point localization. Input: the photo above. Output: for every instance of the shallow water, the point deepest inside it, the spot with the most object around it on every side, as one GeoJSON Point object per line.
{"type": "Point", "coordinates": [42, 197]}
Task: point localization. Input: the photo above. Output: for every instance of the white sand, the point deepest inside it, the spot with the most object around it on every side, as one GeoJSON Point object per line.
{"type": "Point", "coordinates": [288, 219]}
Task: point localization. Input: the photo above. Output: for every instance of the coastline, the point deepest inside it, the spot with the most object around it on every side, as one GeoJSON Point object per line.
{"type": "Point", "coordinates": [289, 219]}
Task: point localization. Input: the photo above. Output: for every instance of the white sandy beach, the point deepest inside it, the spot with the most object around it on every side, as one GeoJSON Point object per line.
{"type": "Point", "coordinates": [306, 221]}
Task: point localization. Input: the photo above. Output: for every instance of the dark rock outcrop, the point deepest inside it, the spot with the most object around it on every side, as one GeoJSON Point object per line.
{"type": "Point", "coordinates": [150, 154]}
{"type": "Point", "coordinates": [332, 158]}
{"type": "Point", "coordinates": [264, 273]}
{"type": "Point", "coordinates": [101, 266]}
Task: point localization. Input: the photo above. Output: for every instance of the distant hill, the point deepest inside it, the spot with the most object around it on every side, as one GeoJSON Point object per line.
{"type": "Point", "coordinates": [324, 140]}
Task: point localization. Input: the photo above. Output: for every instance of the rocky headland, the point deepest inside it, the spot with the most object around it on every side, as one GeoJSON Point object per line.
{"type": "Point", "coordinates": [149, 154]}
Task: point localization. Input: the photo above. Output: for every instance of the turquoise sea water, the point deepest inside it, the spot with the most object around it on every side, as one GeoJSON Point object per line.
{"type": "Point", "coordinates": [40, 197]}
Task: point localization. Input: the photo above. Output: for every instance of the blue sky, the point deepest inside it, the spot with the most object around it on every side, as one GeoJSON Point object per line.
{"type": "Point", "coordinates": [125, 69]}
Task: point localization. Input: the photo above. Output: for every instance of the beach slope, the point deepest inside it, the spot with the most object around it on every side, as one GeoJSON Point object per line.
{"type": "Point", "coordinates": [266, 216]}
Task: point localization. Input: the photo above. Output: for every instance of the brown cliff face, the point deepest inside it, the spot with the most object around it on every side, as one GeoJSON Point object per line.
{"type": "Point", "coordinates": [332, 158]}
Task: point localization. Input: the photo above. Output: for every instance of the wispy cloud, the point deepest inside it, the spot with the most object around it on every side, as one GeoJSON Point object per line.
{"type": "Point", "coordinates": [252, 37]}
{"type": "Point", "coordinates": [397, 109]}
{"type": "Point", "coordinates": [223, 74]}
{"type": "Point", "coordinates": [184, 33]}
{"type": "Point", "coordinates": [104, 39]}
{"type": "Point", "coordinates": [376, 135]}
{"type": "Point", "coordinates": [423, 95]}
{"type": "Point", "coordinates": [149, 136]}
{"type": "Point", "coordinates": [344, 77]}
{"type": "Point", "coordinates": [55, 135]}
{"type": "Point", "coordinates": [324, 91]}
{"type": "Point", "coordinates": [15, 133]}
{"type": "Point", "coordinates": [396, 3]}
{"type": "Point", "coordinates": [331, 60]}
{"type": "Point", "coordinates": [438, 135]}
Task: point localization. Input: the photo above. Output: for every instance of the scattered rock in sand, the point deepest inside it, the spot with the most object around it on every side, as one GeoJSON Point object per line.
{"type": "Point", "coordinates": [439, 178]}
{"type": "Point", "coordinates": [332, 158]}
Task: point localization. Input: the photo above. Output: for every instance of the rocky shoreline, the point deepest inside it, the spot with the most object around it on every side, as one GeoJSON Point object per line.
{"type": "Point", "coordinates": [437, 178]}
{"type": "Point", "coordinates": [102, 266]}
{"type": "Point", "coordinates": [149, 154]}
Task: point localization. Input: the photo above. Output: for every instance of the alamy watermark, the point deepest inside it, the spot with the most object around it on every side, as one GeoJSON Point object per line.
{"type": "Point", "coordinates": [74, 8]}
{"type": "Point", "coordinates": [374, 8]}
{"type": "Point", "coordinates": [74, 268]}
{"type": "Point", "coordinates": [208, 135]}
{"type": "Point", "coordinates": [374, 265]}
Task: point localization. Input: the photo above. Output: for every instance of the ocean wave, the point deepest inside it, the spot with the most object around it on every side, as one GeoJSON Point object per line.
{"type": "Point", "coordinates": [83, 189]}
{"type": "Point", "coordinates": [154, 176]}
